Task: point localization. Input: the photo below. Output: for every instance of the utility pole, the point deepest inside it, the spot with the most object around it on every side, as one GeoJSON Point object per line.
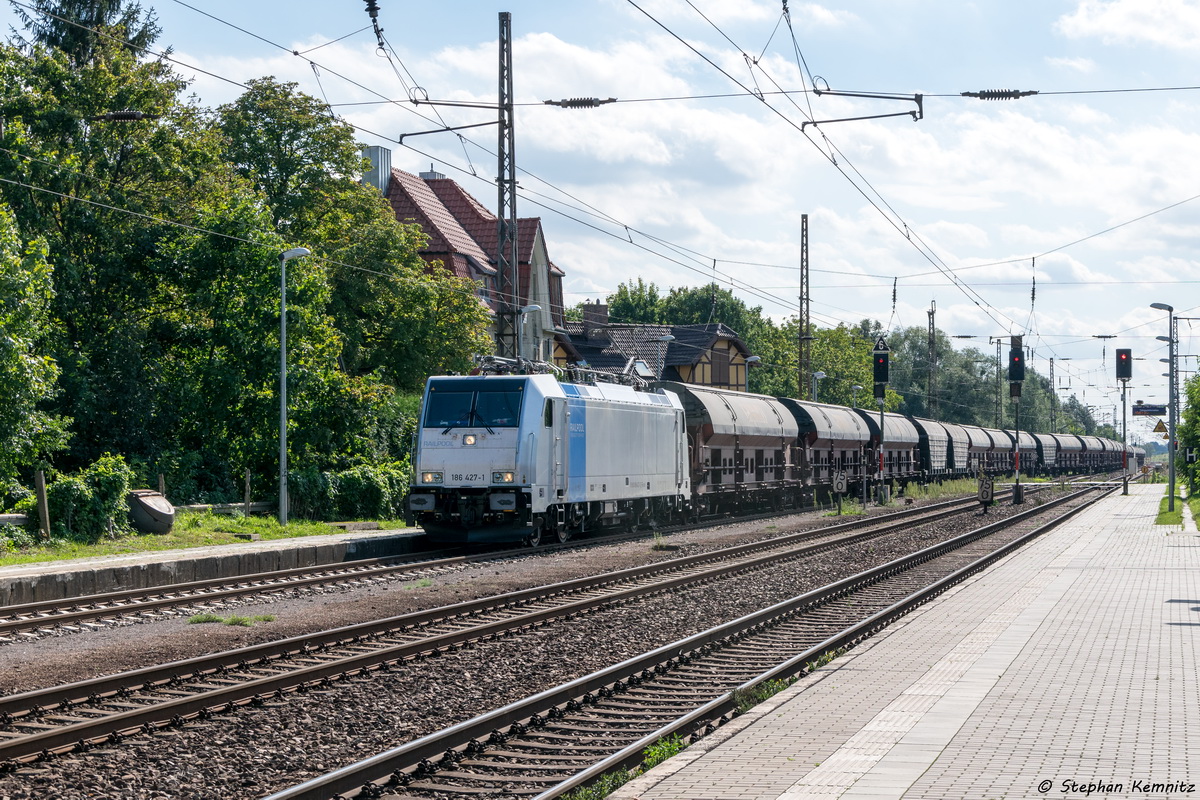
{"type": "Point", "coordinates": [507, 263]}
{"type": "Point", "coordinates": [1053, 400]}
{"type": "Point", "coordinates": [996, 340]}
{"type": "Point", "coordinates": [805, 341]}
{"type": "Point", "coordinates": [931, 387]}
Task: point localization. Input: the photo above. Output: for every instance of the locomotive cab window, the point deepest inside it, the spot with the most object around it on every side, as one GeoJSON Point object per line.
{"type": "Point", "coordinates": [477, 403]}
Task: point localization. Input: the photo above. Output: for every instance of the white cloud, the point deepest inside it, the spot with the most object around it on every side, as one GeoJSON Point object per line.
{"type": "Point", "coordinates": [1080, 65]}
{"type": "Point", "coordinates": [821, 16]}
{"type": "Point", "coordinates": [1170, 23]}
{"type": "Point", "coordinates": [721, 12]}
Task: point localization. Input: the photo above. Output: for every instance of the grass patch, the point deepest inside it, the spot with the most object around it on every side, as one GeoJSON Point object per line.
{"type": "Point", "coordinates": [235, 620]}
{"type": "Point", "coordinates": [824, 659]}
{"type": "Point", "coordinates": [192, 529]}
{"type": "Point", "coordinates": [1166, 517]}
{"type": "Point", "coordinates": [423, 583]}
{"type": "Point", "coordinates": [850, 508]}
{"type": "Point", "coordinates": [660, 543]}
{"type": "Point", "coordinates": [652, 756]}
{"type": "Point", "coordinates": [749, 698]}
{"type": "Point", "coordinates": [946, 489]}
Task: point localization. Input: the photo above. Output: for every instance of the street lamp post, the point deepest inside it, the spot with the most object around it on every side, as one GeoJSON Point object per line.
{"type": "Point", "coordinates": [664, 342]}
{"type": "Point", "coordinates": [521, 339]}
{"type": "Point", "coordinates": [816, 376]}
{"type": "Point", "coordinates": [1170, 339]}
{"type": "Point", "coordinates": [284, 257]}
{"type": "Point", "coordinates": [854, 390]}
{"type": "Point", "coordinates": [749, 360]}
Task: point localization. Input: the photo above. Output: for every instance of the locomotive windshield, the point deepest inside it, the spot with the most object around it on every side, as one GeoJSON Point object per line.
{"type": "Point", "coordinates": [474, 403]}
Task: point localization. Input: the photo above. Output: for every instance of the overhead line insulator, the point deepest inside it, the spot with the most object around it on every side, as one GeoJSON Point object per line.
{"type": "Point", "coordinates": [1000, 94]}
{"type": "Point", "coordinates": [580, 102]}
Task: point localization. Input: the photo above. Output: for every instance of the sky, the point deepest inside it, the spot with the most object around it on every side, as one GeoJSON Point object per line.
{"type": "Point", "coordinates": [1060, 215]}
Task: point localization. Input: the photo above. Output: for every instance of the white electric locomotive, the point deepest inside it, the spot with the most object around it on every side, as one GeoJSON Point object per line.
{"type": "Point", "coordinates": [502, 457]}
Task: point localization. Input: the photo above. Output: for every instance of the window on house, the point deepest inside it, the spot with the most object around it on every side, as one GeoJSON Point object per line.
{"type": "Point", "coordinates": [720, 367]}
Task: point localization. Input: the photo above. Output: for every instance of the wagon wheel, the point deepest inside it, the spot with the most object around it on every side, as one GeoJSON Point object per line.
{"type": "Point", "coordinates": [534, 537]}
{"type": "Point", "coordinates": [562, 534]}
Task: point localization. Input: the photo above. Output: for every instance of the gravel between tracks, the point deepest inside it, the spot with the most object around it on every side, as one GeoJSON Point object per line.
{"type": "Point", "coordinates": [254, 752]}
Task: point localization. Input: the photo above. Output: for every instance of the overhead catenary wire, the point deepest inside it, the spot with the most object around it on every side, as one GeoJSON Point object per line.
{"type": "Point", "coordinates": [386, 138]}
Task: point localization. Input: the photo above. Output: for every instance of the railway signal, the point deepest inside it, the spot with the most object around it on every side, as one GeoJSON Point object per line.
{"type": "Point", "coordinates": [1124, 364]}
{"type": "Point", "coordinates": [1016, 363]}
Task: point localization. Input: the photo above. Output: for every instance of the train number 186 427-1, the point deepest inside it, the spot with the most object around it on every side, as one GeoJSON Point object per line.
{"type": "Point", "coordinates": [470, 476]}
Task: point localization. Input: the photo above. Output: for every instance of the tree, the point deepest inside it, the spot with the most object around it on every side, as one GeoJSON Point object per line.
{"type": "Point", "coordinates": [1187, 432]}
{"type": "Point", "coordinates": [27, 376]}
{"type": "Point", "coordinates": [287, 146]}
{"type": "Point", "coordinates": [399, 321]}
{"type": "Point", "coordinates": [75, 27]}
{"type": "Point", "coordinates": [635, 303]}
{"type": "Point", "coordinates": [95, 192]}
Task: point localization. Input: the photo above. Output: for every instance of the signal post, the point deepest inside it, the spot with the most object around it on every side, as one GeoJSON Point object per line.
{"type": "Point", "coordinates": [1124, 373]}
{"type": "Point", "coordinates": [1016, 375]}
{"type": "Point", "coordinates": [881, 355]}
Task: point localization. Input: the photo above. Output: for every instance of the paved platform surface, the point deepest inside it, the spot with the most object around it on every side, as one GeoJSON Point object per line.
{"type": "Point", "coordinates": [49, 580]}
{"type": "Point", "coordinates": [1069, 669]}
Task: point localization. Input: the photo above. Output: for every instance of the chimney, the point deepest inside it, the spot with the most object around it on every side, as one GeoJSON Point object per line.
{"type": "Point", "coordinates": [380, 173]}
{"type": "Point", "coordinates": [595, 323]}
{"type": "Point", "coordinates": [432, 175]}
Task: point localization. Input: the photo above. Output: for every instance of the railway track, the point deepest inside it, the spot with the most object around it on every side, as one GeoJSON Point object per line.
{"type": "Point", "coordinates": [568, 737]}
{"type": "Point", "coordinates": [78, 716]}
{"type": "Point", "coordinates": [70, 615]}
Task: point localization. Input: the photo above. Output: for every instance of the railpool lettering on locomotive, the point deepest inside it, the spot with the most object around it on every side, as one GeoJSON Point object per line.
{"type": "Point", "coordinates": [524, 457]}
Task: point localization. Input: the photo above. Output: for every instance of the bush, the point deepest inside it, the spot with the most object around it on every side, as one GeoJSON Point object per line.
{"type": "Point", "coordinates": [91, 503]}
{"type": "Point", "coordinates": [364, 492]}
{"type": "Point", "coordinates": [13, 538]}
{"type": "Point", "coordinates": [310, 494]}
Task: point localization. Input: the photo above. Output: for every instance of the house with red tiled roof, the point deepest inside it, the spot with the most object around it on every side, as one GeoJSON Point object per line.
{"type": "Point", "coordinates": [463, 239]}
{"type": "Point", "coordinates": [706, 355]}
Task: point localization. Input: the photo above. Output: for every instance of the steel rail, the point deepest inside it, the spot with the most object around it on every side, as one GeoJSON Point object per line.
{"type": "Point", "coordinates": [64, 698]}
{"type": "Point", "coordinates": [472, 735]}
{"type": "Point", "coordinates": [43, 615]}
{"type": "Point", "coordinates": [724, 706]}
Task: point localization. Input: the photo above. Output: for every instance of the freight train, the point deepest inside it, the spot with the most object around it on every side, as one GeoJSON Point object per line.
{"type": "Point", "coordinates": [529, 457]}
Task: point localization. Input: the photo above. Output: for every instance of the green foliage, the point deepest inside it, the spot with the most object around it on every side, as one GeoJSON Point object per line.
{"type": "Point", "coordinates": [1167, 517]}
{"type": "Point", "coordinates": [133, 334]}
{"type": "Point", "coordinates": [653, 755]}
{"type": "Point", "coordinates": [51, 25]}
{"type": "Point", "coordinates": [93, 502]}
{"type": "Point", "coordinates": [27, 376]}
{"type": "Point", "coordinates": [661, 750]}
{"type": "Point", "coordinates": [638, 303]}
{"type": "Point", "coordinates": [363, 492]}
{"type": "Point", "coordinates": [1188, 434]}
{"type": "Point", "coordinates": [14, 538]}
{"type": "Point", "coordinates": [749, 698]}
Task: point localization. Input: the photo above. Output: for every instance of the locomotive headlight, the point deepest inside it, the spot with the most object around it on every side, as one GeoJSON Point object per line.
{"type": "Point", "coordinates": [431, 477]}
{"type": "Point", "coordinates": [502, 477]}
{"type": "Point", "coordinates": [469, 439]}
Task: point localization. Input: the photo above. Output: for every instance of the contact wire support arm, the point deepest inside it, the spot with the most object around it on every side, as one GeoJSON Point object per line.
{"type": "Point", "coordinates": [917, 114]}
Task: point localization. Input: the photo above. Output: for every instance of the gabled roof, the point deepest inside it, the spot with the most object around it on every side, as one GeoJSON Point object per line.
{"type": "Point", "coordinates": [413, 200]}
{"type": "Point", "coordinates": [612, 353]}
{"type": "Point", "coordinates": [479, 222]}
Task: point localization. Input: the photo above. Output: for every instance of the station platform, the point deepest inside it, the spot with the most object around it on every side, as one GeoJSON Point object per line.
{"type": "Point", "coordinates": [54, 580]}
{"type": "Point", "coordinates": [1068, 669]}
